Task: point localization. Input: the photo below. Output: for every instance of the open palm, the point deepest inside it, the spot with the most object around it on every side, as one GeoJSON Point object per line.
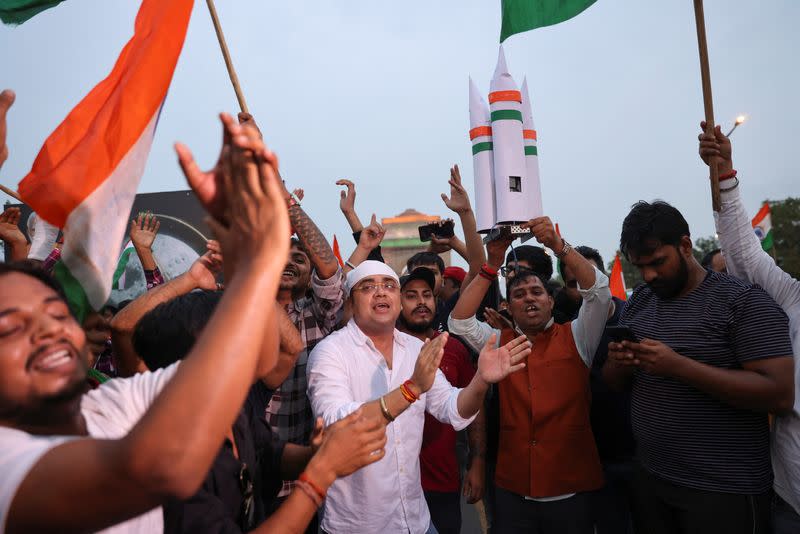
{"type": "Point", "coordinates": [494, 364]}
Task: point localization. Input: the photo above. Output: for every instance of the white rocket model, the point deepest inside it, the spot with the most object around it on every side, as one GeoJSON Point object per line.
{"type": "Point", "coordinates": [510, 170]}
{"type": "Point", "coordinates": [504, 154]}
{"type": "Point", "coordinates": [480, 133]}
{"type": "Point", "coordinates": [533, 189]}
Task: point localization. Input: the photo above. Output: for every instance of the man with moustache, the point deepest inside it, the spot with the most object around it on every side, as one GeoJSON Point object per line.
{"type": "Point", "coordinates": [311, 290]}
{"type": "Point", "coordinates": [712, 358]}
{"type": "Point", "coordinates": [438, 462]}
{"type": "Point", "coordinates": [390, 375]}
{"type": "Point", "coordinates": [547, 460]}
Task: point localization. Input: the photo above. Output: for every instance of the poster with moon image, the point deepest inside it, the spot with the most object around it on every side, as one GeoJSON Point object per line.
{"type": "Point", "coordinates": [181, 238]}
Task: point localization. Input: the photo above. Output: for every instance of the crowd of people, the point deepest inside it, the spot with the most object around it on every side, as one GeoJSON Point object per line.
{"type": "Point", "coordinates": [270, 388]}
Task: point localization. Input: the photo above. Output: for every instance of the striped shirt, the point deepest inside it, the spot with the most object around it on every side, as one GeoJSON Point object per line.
{"type": "Point", "coordinates": [683, 434]}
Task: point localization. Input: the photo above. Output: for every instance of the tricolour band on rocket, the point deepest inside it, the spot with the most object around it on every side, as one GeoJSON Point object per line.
{"type": "Point", "coordinates": [480, 134]}
{"type": "Point", "coordinates": [512, 204]}
{"type": "Point", "coordinates": [532, 189]}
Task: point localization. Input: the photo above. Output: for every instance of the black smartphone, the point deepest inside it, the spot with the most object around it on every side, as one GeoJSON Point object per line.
{"type": "Point", "coordinates": [620, 333]}
{"type": "Point", "coordinates": [425, 232]}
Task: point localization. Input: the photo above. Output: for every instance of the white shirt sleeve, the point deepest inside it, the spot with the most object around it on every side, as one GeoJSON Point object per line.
{"type": "Point", "coordinates": [441, 401]}
{"type": "Point", "coordinates": [117, 405]}
{"type": "Point", "coordinates": [587, 329]}
{"type": "Point", "coordinates": [744, 256]}
{"type": "Point", "coordinates": [472, 331]}
{"type": "Point", "coordinates": [331, 397]}
{"type": "Point", "coordinates": [19, 452]}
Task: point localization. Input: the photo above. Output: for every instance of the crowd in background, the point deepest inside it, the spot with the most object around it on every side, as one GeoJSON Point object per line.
{"type": "Point", "coordinates": [271, 388]}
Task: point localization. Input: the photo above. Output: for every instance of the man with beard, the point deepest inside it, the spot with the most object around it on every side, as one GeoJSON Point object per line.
{"type": "Point", "coordinates": [311, 291]}
{"type": "Point", "coordinates": [395, 377]}
{"type": "Point", "coordinates": [547, 460]}
{"type": "Point", "coordinates": [712, 357]}
{"type": "Point", "coordinates": [438, 463]}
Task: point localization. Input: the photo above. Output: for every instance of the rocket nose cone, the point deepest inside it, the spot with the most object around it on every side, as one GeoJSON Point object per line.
{"type": "Point", "coordinates": [501, 67]}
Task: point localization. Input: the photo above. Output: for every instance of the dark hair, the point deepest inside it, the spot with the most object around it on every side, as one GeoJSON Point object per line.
{"type": "Point", "coordinates": [33, 269]}
{"type": "Point", "coordinates": [526, 274]}
{"type": "Point", "coordinates": [650, 225]}
{"type": "Point", "coordinates": [167, 333]}
{"type": "Point", "coordinates": [538, 259]}
{"type": "Point", "coordinates": [421, 259]}
{"type": "Point", "coordinates": [708, 258]}
{"type": "Point", "coordinates": [590, 254]}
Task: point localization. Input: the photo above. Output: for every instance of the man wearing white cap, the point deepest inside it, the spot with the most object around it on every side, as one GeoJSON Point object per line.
{"type": "Point", "coordinates": [393, 376]}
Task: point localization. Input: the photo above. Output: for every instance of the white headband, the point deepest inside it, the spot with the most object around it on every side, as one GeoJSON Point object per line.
{"type": "Point", "coordinates": [368, 268]}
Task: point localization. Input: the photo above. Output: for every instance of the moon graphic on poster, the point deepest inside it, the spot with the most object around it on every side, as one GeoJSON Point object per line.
{"type": "Point", "coordinates": [177, 245]}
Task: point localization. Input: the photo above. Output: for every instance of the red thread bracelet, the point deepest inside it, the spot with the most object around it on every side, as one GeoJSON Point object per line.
{"type": "Point", "coordinates": [488, 270]}
{"type": "Point", "coordinates": [305, 478]}
{"type": "Point", "coordinates": [728, 175]}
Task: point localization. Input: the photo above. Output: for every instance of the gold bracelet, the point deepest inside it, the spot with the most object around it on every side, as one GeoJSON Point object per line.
{"type": "Point", "coordinates": [385, 411]}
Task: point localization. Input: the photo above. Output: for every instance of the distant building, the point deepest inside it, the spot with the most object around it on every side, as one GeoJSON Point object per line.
{"type": "Point", "coordinates": [402, 238]}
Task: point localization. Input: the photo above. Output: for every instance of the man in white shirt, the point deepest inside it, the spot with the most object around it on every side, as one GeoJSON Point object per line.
{"type": "Point", "coordinates": [371, 365]}
{"type": "Point", "coordinates": [746, 259]}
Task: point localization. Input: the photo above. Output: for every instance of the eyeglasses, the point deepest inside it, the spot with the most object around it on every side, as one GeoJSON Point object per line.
{"type": "Point", "coordinates": [505, 271]}
{"type": "Point", "coordinates": [389, 287]}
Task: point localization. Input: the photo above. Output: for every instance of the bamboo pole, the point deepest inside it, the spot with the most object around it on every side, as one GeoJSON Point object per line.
{"type": "Point", "coordinates": [705, 76]}
{"type": "Point", "coordinates": [10, 192]}
{"type": "Point", "coordinates": [227, 56]}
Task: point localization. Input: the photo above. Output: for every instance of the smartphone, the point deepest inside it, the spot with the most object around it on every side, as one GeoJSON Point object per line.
{"type": "Point", "coordinates": [443, 230]}
{"type": "Point", "coordinates": [620, 333]}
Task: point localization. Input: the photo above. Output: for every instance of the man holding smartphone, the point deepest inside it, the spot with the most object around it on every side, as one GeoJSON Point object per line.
{"type": "Point", "coordinates": [714, 358]}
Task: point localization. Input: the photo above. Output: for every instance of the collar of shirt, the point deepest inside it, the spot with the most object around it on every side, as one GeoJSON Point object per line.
{"type": "Point", "coordinates": [359, 338]}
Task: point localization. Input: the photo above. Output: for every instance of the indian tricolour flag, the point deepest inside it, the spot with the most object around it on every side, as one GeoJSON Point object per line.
{"type": "Point", "coordinates": [762, 225]}
{"type": "Point", "coordinates": [523, 15]}
{"type": "Point", "coordinates": [85, 177]}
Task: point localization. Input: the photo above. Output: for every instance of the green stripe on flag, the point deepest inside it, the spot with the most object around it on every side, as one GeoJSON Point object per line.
{"type": "Point", "coordinates": [481, 147]}
{"type": "Point", "coordinates": [531, 151]}
{"type": "Point", "coordinates": [77, 300]}
{"type": "Point", "coordinates": [523, 15]}
{"type": "Point", "coordinates": [767, 243]}
{"type": "Point", "coordinates": [121, 265]}
{"type": "Point", "coordinates": [506, 114]}
{"type": "Point", "coordinates": [19, 11]}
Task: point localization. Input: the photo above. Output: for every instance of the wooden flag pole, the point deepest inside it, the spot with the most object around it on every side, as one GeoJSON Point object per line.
{"type": "Point", "coordinates": [227, 56]}
{"type": "Point", "coordinates": [10, 192]}
{"type": "Point", "coordinates": [705, 75]}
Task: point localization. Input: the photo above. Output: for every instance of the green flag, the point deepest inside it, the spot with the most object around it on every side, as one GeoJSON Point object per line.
{"type": "Point", "coordinates": [19, 11]}
{"type": "Point", "coordinates": [523, 15]}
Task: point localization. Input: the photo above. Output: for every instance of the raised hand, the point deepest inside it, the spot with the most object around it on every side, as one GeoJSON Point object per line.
{"type": "Point", "coordinates": [458, 200]}
{"type": "Point", "coordinates": [716, 146]}
{"type": "Point", "coordinates": [350, 444]}
{"type": "Point", "coordinates": [496, 320]}
{"type": "Point", "coordinates": [347, 199]}
{"type": "Point", "coordinates": [544, 231]}
{"type": "Point", "coordinates": [440, 245]}
{"type": "Point", "coordinates": [496, 250]}
{"type": "Point", "coordinates": [430, 356]}
{"type": "Point", "coordinates": [494, 364]}
{"type": "Point", "coordinates": [248, 119]}
{"type": "Point", "coordinates": [207, 186]}
{"type": "Point", "coordinates": [144, 229]}
{"type": "Point", "coordinates": [205, 269]}
{"type": "Point", "coordinates": [9, 227]}
{"type": "Point", "coordinates": [372, 235]}
{"type": "Point", "coordinates": [7, 98]}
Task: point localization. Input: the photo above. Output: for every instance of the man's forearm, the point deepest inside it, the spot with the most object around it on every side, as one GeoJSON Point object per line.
{"type": "Point", "coordinates": [742, 388]}
{"type": "Point", "coordinates": [470, 298]}
{"type": "Point", "coordinates": [470, 399]}
{"type": "Point", "coordinates": [358, 257]}
{"type": "Point", "coordinates": [476, 255]}
{"type": "Point", "coordinates": [476, 436]}
{"type": "Point", "coordinates": [294, 460]}
{"type": "Point", "coordinates": [314, 243]}
{"type": "Point", "coordinates": [146, 257]}
{"type": "Point", "coordinates": [19, 250]}
{"type": "Point", "coordinates": [353, 221]}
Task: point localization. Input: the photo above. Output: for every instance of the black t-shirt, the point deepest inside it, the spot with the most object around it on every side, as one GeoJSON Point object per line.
{"type": "Point", "coordinates": [685, 435]}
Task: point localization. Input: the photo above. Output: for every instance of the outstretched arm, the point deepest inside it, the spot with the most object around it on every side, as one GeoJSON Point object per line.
{"type": "Point", "coordinates": [314, 243]}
